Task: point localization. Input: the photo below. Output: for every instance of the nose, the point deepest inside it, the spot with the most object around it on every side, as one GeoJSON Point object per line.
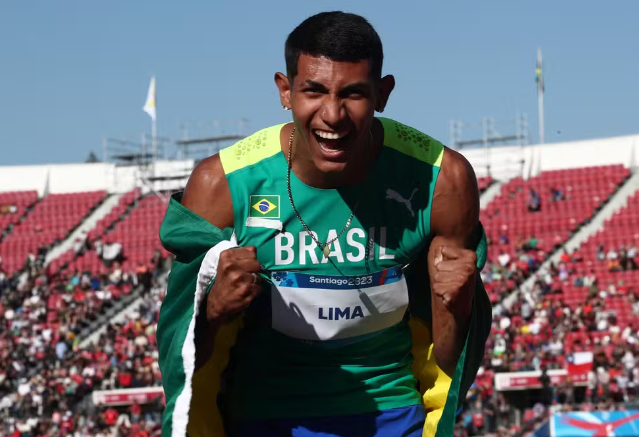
{"type": "Point", "coordinates": [333, 111]}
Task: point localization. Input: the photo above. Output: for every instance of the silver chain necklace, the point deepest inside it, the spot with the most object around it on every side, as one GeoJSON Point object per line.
{"type": "Point", "coordinates": [325, 247]}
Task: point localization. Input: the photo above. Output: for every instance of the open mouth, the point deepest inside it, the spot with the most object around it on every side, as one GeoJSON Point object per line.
{"type": "Point", "coordinates": [331, 143]}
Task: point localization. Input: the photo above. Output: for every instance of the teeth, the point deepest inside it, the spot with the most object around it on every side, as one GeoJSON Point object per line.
{"type": "Point", "coordinates": [328, 135]}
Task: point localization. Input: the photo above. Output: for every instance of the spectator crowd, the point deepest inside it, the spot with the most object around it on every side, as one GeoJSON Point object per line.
{"type": "Point", "coordinates": [47, 373]}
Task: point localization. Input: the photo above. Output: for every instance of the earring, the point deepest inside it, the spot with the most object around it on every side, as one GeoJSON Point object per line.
{"type": "Point", "coordinates": [285, 108]}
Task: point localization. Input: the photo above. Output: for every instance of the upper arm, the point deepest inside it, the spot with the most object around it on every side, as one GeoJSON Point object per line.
{"type": "Point", "coordinates": [455, 207]}
{"type": "Point", "coordinates": [208, 195]}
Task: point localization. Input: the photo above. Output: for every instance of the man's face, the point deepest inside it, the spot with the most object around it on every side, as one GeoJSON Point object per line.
{"type": "Point", "coordinates": [333, 107]}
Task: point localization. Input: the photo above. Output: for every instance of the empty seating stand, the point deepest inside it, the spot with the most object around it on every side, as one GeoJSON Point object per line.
{"type": "Point", "coordinates": [51, 221]}
{"type": "Point", "coordinates": [585, 191]}
{"type": "Point", "coordinates": [114, 215]}
{"type": "Point", "coordinates": [124, 203]}
{"type": "Point", "coordinates": [138, 233]}
{"type": "Point", "coordinates": [13, 205]}
{"type": "Point", "coordinates": [484, 182]}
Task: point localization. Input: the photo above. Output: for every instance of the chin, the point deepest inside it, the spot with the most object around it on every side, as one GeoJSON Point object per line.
{"type": "Point", "coordinates": [329, 167]}
{"type": "Point", "coordinates": [330, 162]}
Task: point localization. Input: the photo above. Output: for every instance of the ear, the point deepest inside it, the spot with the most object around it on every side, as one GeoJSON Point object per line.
{"type": "Point", "coordinates": [284, 87]}
{"type": "Point", "coordinates": [386, 86]}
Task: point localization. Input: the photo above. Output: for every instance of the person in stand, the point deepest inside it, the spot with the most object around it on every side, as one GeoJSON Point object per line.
{"type": "Point", "coordinates": [534, 201]}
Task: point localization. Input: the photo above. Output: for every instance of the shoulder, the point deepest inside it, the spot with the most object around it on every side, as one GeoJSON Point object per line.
{"type": "Point", "coordinates": [457, 175]}
{"type": "Point", "coordinates": [412, 142]}
{"type": "Point", "coordinates": [251, 150]}
{"type": "Point", "coordinates": [207, 193]}
{"type": "Point", "coordinates": [455, 209]}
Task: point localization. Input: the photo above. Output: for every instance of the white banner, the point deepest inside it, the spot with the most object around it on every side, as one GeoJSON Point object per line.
{"type": "Point", "coordinates": [528, 380]}
{"type": "Point", "coordinates": [127, 396]}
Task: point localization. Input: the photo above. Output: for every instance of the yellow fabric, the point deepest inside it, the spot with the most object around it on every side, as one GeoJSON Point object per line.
{"type": "Point", "coordinates": [434, 384]}
{"type": "Point", "coordinates": [251, 150]}
{"type": "Point", "coordinates": [266, 143]}
{"type": "Point", "coordinates": [412, 142]}
{"type": "Point", "coordinates": [205, 419]}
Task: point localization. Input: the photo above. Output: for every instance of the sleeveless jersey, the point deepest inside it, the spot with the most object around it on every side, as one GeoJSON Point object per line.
{"type": "Point", "coordinates": [328, 335]}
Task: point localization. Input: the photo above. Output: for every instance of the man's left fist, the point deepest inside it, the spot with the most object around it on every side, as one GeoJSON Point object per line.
{"type": "Point", "coordinates": [454, 281]}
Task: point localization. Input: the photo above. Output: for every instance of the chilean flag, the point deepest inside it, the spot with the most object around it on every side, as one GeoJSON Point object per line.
{"type": "Point", "coordinates": [579, 363]}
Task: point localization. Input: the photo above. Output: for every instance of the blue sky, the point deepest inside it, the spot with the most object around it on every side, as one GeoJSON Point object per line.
{"type": "Point", "coordinates": [73, 72]}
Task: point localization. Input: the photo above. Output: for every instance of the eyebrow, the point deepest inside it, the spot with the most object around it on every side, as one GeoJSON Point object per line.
{"type": "Point", "coordinates": [356, 86]}
{"type": "Point", "coordinates": [314, 84]}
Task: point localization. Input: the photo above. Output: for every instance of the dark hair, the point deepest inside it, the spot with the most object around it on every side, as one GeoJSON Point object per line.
{"type": "Point", "coordinates": [339, 36]}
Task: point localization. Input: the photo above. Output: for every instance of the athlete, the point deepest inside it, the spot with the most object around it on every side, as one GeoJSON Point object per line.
{"type": "Point", "coordinates": [325, 281]}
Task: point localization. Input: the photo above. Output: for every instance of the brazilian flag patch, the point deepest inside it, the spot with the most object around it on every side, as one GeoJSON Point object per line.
{"type": "Point", "coordinates": [267, 206]}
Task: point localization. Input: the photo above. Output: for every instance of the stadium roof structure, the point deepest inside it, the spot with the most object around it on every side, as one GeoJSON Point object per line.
{"type": "Point", "coordinates": [215, 139]}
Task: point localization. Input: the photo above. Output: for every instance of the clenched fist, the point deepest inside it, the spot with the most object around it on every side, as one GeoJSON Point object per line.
{"type": "Point", "coordinates": [454, 280]}
{"type": "Point", "coordinates": [237, 283]}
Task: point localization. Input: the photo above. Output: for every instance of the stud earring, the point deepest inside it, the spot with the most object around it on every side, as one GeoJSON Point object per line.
{"type": "Point", "coordinates": [285, 108]}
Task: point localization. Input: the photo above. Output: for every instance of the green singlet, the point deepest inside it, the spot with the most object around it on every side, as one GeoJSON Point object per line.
{"type": "Point", "coordinates": [329, 335]}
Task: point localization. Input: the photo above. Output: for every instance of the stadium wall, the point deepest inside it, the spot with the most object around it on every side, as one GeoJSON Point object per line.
{"type": "Point", "coordinates": [555, 156]}
{"type": "Point", "coordinates": [502, 163]}
{"type": "Point", "coordinates": [71, 178]}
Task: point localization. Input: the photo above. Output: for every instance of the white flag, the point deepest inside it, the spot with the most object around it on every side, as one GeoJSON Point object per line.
{"type": "Point", "coordinates": [149, 106]}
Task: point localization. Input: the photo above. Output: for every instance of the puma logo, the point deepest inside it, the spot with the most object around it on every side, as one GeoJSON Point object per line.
{"type": "Point", "coordinates": [394, 195]}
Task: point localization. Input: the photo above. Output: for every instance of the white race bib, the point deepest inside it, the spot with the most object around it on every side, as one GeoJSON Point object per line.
{"type": "Point", "coordinates": [320, 307]}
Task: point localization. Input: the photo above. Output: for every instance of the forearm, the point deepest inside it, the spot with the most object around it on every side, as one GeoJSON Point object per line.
{"type": "Point", "coordinates": [450, 329]}
{"type": "Point", "coordinates": [452, 257]}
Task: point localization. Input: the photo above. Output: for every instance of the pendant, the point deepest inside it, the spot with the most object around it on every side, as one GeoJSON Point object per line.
{"type": "Point", "coordinates": [326, 250]}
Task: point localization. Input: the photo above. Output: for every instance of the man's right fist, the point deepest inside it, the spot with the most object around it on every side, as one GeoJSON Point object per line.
{"type": "Point", "coordinates": [237, 283]}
